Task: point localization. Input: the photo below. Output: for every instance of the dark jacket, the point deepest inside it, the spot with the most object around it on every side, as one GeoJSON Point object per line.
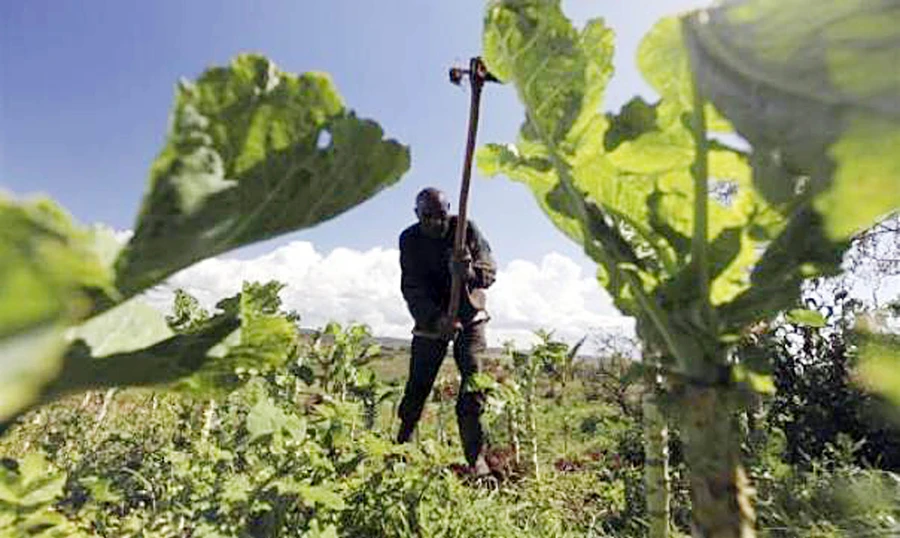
{"type": "Point", "coordinates": [425, 274]}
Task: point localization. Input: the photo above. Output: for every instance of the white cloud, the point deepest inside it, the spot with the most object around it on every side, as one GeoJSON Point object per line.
{"type": "Point", "coordinates": [351, 286]}
{"type": "Point", "coordinates": [123, 236]}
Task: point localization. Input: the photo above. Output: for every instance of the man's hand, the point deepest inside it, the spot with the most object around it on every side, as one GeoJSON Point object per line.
{"type": "Point", "coordinates": [447, 326]}
{"type": "Point", "coordinates": [462, 268]}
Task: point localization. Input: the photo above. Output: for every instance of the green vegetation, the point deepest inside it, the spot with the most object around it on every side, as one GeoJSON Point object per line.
{"type": "Point", "coordinates": [283, 454]}
{"type": "Point", "coordinates": [242, 162]}
{"type": "Point", "coordinates": [697, 240]}
{"type": "Point", "coordinates": [120, 421]}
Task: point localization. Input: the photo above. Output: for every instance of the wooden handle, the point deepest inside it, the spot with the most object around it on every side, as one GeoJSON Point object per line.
{"type": "Point", "coordinates": [477, 76]}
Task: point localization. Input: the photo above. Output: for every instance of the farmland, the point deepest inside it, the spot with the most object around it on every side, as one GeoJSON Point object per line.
{"type": "Point", "coordinates": [760, 395]}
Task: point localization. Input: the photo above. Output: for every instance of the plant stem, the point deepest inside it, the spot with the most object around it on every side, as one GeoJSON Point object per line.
{"type": "Point", "coordinates": [209, 419]}
{"type": "Point", "coordinates": [700, 173]}
{"type": "Point", "coordinates": [656, 462]}
{"type": "Point", "coordinates": [720, 490]}
{"type": "Point", "coordinates": [104, 409]}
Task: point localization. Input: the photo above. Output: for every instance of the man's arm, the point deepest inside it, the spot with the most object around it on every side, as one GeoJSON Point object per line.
{"type": "Point", "coordinates": [484, 268]}
{"type": "Point", "coordinates": [414, 287]}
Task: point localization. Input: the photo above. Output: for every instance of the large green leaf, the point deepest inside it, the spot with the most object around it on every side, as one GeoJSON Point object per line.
{"type": "Point", "coordinates": [133, 344]}
{"type": "Point", "coordinates": [560, 75]}
{"type": "Point", "coordinates": [131, 326]}
{"type": "Point", "coordinates": [252, 153]}
{"type": "Point", "coordinates": [620, 184]}
{"type": "Point", "coordinates": [663, 59]}
{"type": "Point", "coordinates": [814, 86]}
{"type": "Point", "coordinates": [50, 275]}
{"type": "Point", "coordinates": [165, 362]}
{"type": "Point", "coordinates": [49, 270]}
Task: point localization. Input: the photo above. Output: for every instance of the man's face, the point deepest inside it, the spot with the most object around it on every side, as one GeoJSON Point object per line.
{"type": "Point", "coordinates": [433, 219]}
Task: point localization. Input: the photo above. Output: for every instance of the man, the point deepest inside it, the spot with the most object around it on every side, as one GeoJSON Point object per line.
{"type": "Point", "coordinates": [426, 262]}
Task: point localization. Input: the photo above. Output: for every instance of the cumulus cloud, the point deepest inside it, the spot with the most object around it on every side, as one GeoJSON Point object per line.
{"type": "Point", "coordinates": [347, 285]}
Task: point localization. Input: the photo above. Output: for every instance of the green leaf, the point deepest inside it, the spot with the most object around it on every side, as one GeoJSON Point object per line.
{"type": "Point", "coordinates": [162, 363]}
{"type": "Point", "coordinates": [242, 163]}
{"type": "Point", "coordinates": [806, 318]}
{"type": "Point", "coordinates": [49, 277]}
{"type": "Point", "coordinates": [264, 418]}
{"type": "Point", "coordinates": [317, 531]}
{"type": "Point", "coordinates": [480, 381]}
{"type": "Point", "coordinates": [756, 381]}
{"type": "Point", "coordinates": [619, 185]}
{"type": "Point", "coordinates": [236, 489]}
{"type": "Point", "coordinates": [187, 314]}
{"type": "Point", "coordinates": [867, 179]}
{"type": "Point", "coordinates": [35, 482]}
{"type": "Point", "coordinates": [28, 361]}
{"type": "Point", "coordinates": [622, 185]}
{"type": "Point", "coordinates": [879, 356]}
{"type": "Point", "coordinates": [663, 60]}
{"type": "Point", "coordinates": [813, 86]}
{"type": "Point", "coordinates": [130, 326]}
{"type": "Point", "coordinates": [321, 495]}
{"type": "Point", "coordinates": [101, 489]}
{"type": "Point", "coordinates": [48, 270]}
{"type": "Point", "coordinates": [265, 340]}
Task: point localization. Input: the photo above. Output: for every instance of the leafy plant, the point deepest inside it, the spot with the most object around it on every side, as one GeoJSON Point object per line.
{"type": "Point", "coordinates": [28, 491]}
{"type": "Point", "coordinates": [241, 163]}
{"type": "Point", "coordinates": [337, 356]}
{"type": "Point", "coordinates": [695, 239]}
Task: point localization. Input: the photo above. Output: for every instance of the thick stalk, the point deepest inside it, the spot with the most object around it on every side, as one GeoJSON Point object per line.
{"type": "Point", "coordinates": [656, 463]}
{"type": "Point", "coordinates": [720, 491]}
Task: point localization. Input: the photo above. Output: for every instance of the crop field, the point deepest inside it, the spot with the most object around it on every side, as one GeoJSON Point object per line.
{"type": "Point", "coordinates": [759, 397]}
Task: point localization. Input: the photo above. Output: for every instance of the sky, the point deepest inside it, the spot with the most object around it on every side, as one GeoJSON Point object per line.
{"type": "Point", "coordinates": [86, 88]}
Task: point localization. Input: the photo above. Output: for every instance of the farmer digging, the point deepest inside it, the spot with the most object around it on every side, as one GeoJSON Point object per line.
{"type": "Point", "coordinates": [429, 265]}
{"type": "Point", "coordinates": [446, 265]}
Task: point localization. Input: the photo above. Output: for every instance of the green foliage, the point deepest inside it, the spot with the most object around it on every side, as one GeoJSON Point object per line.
{"type": "Point", "coordinates": [340, 355]}
{"type": "Point", "coordinates": [819, 100]}
{"type": "Point", "coordinates": [187, 314]}
{"type": "Point", "coordinates": [28, 490]}
{"type": "Point", "coordinates": [695, 239]}
{"type": "Point", "coordinates": [48, 276]}
{"type": "Point", "coordinates": [621, 185]}
{"type": "Point", "coordinates": [822, 503]}
{"type": "Point", "coordinates": [805, 317]}
{"type": "Point", "coordinates": [242, 162]}
{"type": "Point", "coordinates": [279, 462]}
{"type": "Point", "coordinates": [624, 187]}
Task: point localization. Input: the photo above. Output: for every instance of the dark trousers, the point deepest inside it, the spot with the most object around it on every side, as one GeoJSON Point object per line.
{"type": "Point", "coordinates": [425, 361]}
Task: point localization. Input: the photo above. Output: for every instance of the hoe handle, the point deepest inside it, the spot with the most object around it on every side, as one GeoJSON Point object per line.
{"type": "Point", "coordinates": [478, 74]}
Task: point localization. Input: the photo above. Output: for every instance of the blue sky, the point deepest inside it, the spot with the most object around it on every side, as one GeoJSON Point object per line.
{"type": "Point", "coordinates": [86, 86]}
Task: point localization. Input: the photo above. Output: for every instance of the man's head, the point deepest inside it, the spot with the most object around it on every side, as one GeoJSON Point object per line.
{"type": "Point", "coordinates": [433, 211]}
